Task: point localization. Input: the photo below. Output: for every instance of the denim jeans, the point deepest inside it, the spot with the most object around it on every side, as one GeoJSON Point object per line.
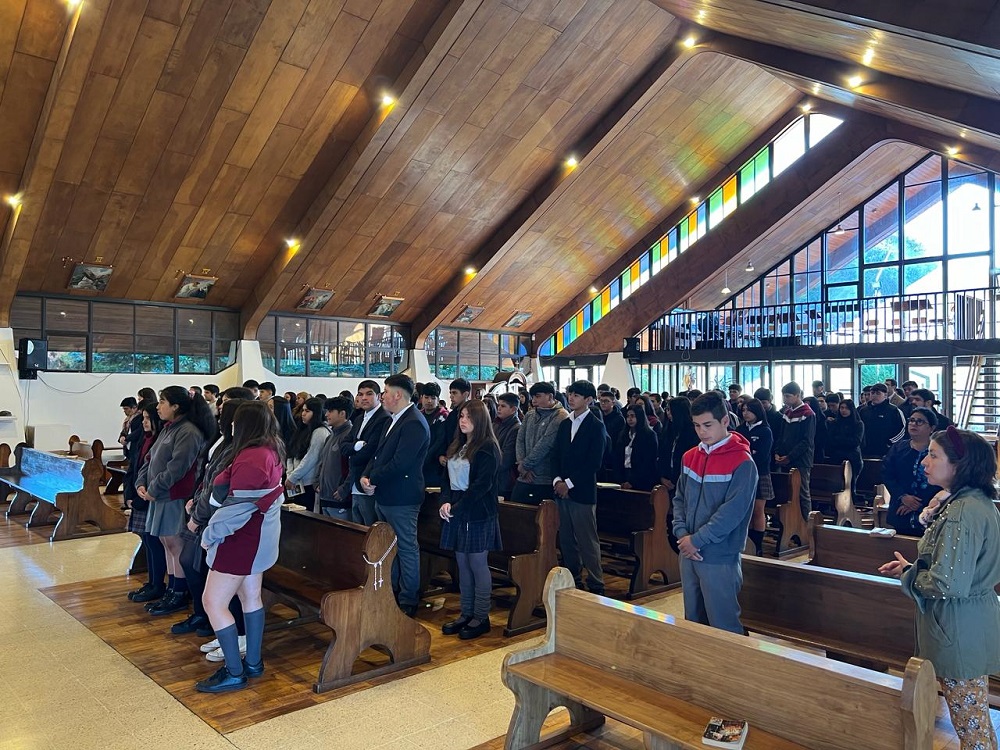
{"type": "Point", "coordinates": [406, 567]}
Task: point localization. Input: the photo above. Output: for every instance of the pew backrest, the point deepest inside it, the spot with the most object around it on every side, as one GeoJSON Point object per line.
{"type": "Point", "coordinates": [829, 479]}
{"type": "Point", "coordinates": [786, 486]}
{"type": "Point", "coordinates": [855, 550]}
{"type": "Point", "coordinates": [870, 477]}
{"type": "Point", "coordinates": [327, 551]}
{"type": "Point", "coordinates": [622, 512]}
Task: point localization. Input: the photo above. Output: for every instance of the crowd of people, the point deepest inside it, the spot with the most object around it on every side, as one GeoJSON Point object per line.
{"type": "Point", "coordinates": [208, 472]}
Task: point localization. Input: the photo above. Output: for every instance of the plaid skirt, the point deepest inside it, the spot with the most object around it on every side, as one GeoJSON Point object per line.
{"type": "Point", "coordinates": [765, 490]}
{"type": "Point", "coordinates": [137, 520]}
{"type": "Point", "coordinates": [471, 536]}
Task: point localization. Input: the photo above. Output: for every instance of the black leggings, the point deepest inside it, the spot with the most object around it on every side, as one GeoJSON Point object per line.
{"type": "Point", "coordinates": [156, 558]}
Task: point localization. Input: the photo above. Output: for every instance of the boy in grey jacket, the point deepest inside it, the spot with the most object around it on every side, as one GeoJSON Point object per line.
{"type": "Point", "coordinates": [536, 446]}
{"type": "Point", "coordinates": [712, 508]}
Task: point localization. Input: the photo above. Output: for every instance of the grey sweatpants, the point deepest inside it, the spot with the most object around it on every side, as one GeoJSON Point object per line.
{"type": "Point", "coordinates": [579, 544]}
{"type": "Point", "coordinates": [711, 592]}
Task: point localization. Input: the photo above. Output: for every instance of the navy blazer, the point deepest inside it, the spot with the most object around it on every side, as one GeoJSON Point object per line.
{"type": "Point", "coordinates": [397, 468]}
{"type": "Point", "coordinates": [579, 459]}
{"type": "Point", "coordinates": [357, 461]}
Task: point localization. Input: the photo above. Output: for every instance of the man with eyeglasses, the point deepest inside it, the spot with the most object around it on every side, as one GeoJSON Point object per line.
{"type": "Point", "coordinates": [904, 476]}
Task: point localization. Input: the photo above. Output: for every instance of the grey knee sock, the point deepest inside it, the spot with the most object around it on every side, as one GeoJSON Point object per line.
{"type": "Point", "coordinates": [230, 643]}
{"type": "Point", "coordinates": [255, 634]}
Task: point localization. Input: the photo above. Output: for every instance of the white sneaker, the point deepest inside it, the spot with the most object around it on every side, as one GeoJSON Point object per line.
{"type": "Point", "coordinates": [210, 646]}
{"type": "Point", "coordinates": [217, 655]}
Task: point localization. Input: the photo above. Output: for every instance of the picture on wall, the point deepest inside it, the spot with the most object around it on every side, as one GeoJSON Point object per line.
{"type": "Point", "coordinates": [517, 320]}
{"type": "Point", "coordinates": [385, 307]}
{"type": "Point", "coordinates": [315, 299]}
{"type": "Point", "coordinates": [469, 314]}
{"type": "Point", "coordinates": [90, 277]}
{"type": "Point", "coordinates": [195, 287]}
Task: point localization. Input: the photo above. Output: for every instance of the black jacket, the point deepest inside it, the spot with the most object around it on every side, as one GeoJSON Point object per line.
{"type": "Point", "coordinates": [797, 434]}
{"type": "Point", "coordinates": [437, 424]}
{"type": "Point", "coordinates": [643, 474]}
{"type": "Point", "coordinates": [671, 450]}
{"type": "Point", "coordinates": [506, 431]}
{"type": "Point", "coordinates": [479, 502]}
{"type": "Point", "coordinates": [844, 437]}
{"type": "Point", "coordinates": [357, 460]}
{"type": "Point", "coordinates": [614, 423]}
{"type": "Point", "coordinates": [884, 425]}
{"type": "Point", "coordinates": [397, 468]}
{"type": "Point", "coordinates": [579, 459]}
{"type": "Point", "coordinates": [775, 422]}
{"type": "Point", "coordinates": [761, 445]}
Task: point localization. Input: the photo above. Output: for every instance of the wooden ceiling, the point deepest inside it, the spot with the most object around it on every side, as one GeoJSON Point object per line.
{"type": "Point", "coordinates": [181, 136]}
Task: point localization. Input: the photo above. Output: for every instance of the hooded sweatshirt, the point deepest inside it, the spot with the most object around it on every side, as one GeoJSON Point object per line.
{"type": "Point", "coordinates": [714, 498]}
{"type": "Point", "coordinates": [536, 442]}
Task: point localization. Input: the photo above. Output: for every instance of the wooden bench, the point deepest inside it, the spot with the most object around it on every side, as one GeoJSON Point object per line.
{"type": "Point", "coordinates": [116, 472]}
{"type": "Point", "coordinates": [869, 484]}
{"type": "Point", "coordinates": [61, 490]}
{"type": "Point", "coordinates": [667, 678]}
{"type": "Point", "coordinates": [529, 553]}
{"type": "Point", "coordinates": [4, 456]}
{"type": "Point", "coordinates": [634, 523]}
{"type": "Point", "coordinates": [856, 550]}
{"type": "Point", "coordinates": [792, 537]}
{"type": "Point", "coordinates": [830, 484]}
{"type": "Point", "coordinates": [325, 573]}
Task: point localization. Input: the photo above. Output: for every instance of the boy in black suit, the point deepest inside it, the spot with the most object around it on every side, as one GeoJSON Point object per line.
{"type": "Point", "coordinates": [370, 421]}
{"type": "Point", "coordinates": [579, 451]}
{"type": "Point", "coordinates": [395, 477]}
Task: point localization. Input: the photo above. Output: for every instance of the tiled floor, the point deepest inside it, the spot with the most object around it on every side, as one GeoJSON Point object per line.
{"type": "Point", "coordinates": [63, 687]}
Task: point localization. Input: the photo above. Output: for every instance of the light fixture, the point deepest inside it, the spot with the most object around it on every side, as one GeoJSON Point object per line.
{"type": "Point", "coordinates": [952, 150]}
{"type": "Point", "coordinates": [976, 207]}
{"type": "Point", "coordinates": [695, 200]}
{"type": "Point", "coordinates": [291, 242]}
{"type": "Point", "coordinates": [593, 290]}
{"type": "Point", "coordinates": [572, 162]}
{"type": "Point", "coordinates": [469, 270]}
{"type": "Point", "coordinates": [388, 100]}
{"type": "Point", "coordinates": [690, 42]}
{"type": "Point", "coordinates": [73, 4]}
{"type": "Point", "coordinates": [14, 200]}
{"type": "Point", "coordinates": [726, 289]}
{"type": "Point", "coordinates": [839, 229]}
{"type": "Point", "coordinates": [816, 88]}
{"type": "Point", "coordinates": [868, 56]}
{"type": "Point", "coordinates": [855, 81]}
{"type": "Point", "coordinates": [749, 268]}
{"type": "Point", "coordinates": [701, 15]}
{"type": "Point", "coordinates": [806, 107]}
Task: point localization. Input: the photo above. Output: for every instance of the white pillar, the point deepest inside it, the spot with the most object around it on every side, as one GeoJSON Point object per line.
{"type": "Point", "coordinates": [532, 369]}
{"type": "Point", "coordinates": [249, 363]}
{"type": "Point", "coordinates": [418, 366]}
{"type": "Point", "coordinates": [618, 373]}
{"type": "Point", "coordinates": [11, 429]}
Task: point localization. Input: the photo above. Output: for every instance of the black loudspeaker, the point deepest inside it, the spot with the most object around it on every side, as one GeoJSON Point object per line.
{"type": "Point", "coordinates": [32, 354]}
{"type": "Point", "coordinates": [631, 350]}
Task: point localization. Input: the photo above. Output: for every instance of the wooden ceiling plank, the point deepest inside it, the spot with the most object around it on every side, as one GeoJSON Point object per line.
{"type": "Point", "coordinates": [11, 14]}
{"type": "Point", "coordinates": [158, 198]}
{"type": "Point", "coordinates": [23, 99]}
{"type": "Point", "coordinates": [150, 143]}
{"type": "Point", "coordinates": [265, 115]}
{"type": "Point", "coordinates": [247, 196]}
{"type": "Point", "coordinates": [211, 156]}
{"type": "Point", "coordinates": [114, 223]}
{"type": "Point", "coordinates": [42, 29]}
{"type": "Point", "coordinates": [145, 62]}
{"type": "Point", "coordinates": [265, 51]}
{"type": "Point", "coordinates": [194, 46]}
{"type": "Point", "coordinates": [88, 120]}
{"type": "Point", "coordinates": [317, 132]}
{"type": "Point", "coordinates": [171, 11]}
{"type": "Point", "coordinates": [214, 207]}
{"type": "Point", "coordinates": [360, 64]}
{"type": "Point", "coordinates": [206, 100]}
{"type": "Point", "coordinates": [311, 31]}
{"type": "Point", "coordinates": [243, 21]}
{"type": "Point", "coordinates": [120, 29]}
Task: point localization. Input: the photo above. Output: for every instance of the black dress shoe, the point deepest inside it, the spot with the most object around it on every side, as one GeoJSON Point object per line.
{"type": "Point", "coordinates": [222, 682]}
{"type": "Point", "coordinates": [253, 670]}
{"type": "Point", "coordinates": [469, 632]}
{"type": "Point", "coordinates": [410, 610]}
{"type": "Point", "coordinates": [145, 589]}
{"type": "Point", "coordinates": [455, 626]}
{"type": "Point", "coordinates": [176, 603]}
{"type": "Point", "coordinates": [164, 597]}
{"type": "Point", "coordinates": [153, 594]}
{"type": "Point", "coordinates": [193, 624]}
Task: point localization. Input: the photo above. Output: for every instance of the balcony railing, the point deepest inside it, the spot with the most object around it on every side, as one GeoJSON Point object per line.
{"type": "Point", "coordinates": [957, 316]}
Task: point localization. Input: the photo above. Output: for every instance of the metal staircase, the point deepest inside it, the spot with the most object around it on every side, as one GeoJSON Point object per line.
{"type": "Point", "coordinates": [978, 399]}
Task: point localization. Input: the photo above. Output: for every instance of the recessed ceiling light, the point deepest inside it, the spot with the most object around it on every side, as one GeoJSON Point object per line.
{"type": "Point", "coordinates": [868, 56]}
{"type": "Point", "coordinates": [14, 200]}
{"type": "Point", "coordinates": [690, 42]}
{"type": "Point", "coordinates": [470, 270]}
{"type": "Point", "coordinates": [291, 242]}
{"type": "Point", "coordinates": [806, 107]}
{"type": "Point", "coordinates": [572, 162]}
{"type": "Point", "coordinates": [855, 81]}
{"type": "Point", "coordinates": [388, 100]}
{"type": "Point", "coordinates": [593, 290]}
{"type": "Point", "coordinates": [952, 150]}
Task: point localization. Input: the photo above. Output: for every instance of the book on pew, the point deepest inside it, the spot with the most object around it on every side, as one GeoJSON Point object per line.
{"type": "Point", "coordinates": [730, 733]}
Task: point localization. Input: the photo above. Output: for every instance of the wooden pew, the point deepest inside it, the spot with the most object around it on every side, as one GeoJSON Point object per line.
{"type": "Point", "coordinates": [831, 484]}
{"type": "Point", "coordinates": [4, 456]}
{"type": "Point", "coordinates": [856, 550]}
{"type": "Point", "coordinates": [63, 490]}
{"type": "Point", "coordinates": [529, 553]}
{"type": "Point", "coordinates": [323, 572]}
{"type": "Point", "coordinates": [869, 484]}
{"type": "Point", "coordinates": [791, 525]}
{"type": "Point", "coordinates": [667, 677]}
{"type": "Point", "coordinates": [635, 523]}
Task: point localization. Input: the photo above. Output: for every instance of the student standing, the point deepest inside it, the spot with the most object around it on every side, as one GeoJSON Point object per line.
{"type": "Point", "coordinates": [712, 509]}
{"type": "Point", "coordinates": [579, 448]}
{"type": "Point", "coordinates": [536, 446]}
{"type": "Point", "coordinates": [241, 540]}
{"type": "Point", "coordinates": [952, 580]}
{"type": "Point", "coordinates": [333, 493]}
{"type": "Point", "coordinates": [506, 426]}
{"type": "Point", "coordinates": [369, 423]}
{"type": "Point", "coordinates": [845, 435]}
{"type": "Point", "coordinates": [635, 452]}
{"type": "Point", "coordinates": [794, 448]}
{"type": "Point", "coordinates": [758, 434]}
{"type": "Point", "coordinates": [156, 561]}
{"type": "Point", "coordinates": [302, 464]}
{"type": "Point", "coordinates": [471, 516]}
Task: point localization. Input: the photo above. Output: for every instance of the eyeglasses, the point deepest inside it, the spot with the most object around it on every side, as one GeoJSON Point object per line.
{"type": "Point", "coordinates": [917, 421]}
